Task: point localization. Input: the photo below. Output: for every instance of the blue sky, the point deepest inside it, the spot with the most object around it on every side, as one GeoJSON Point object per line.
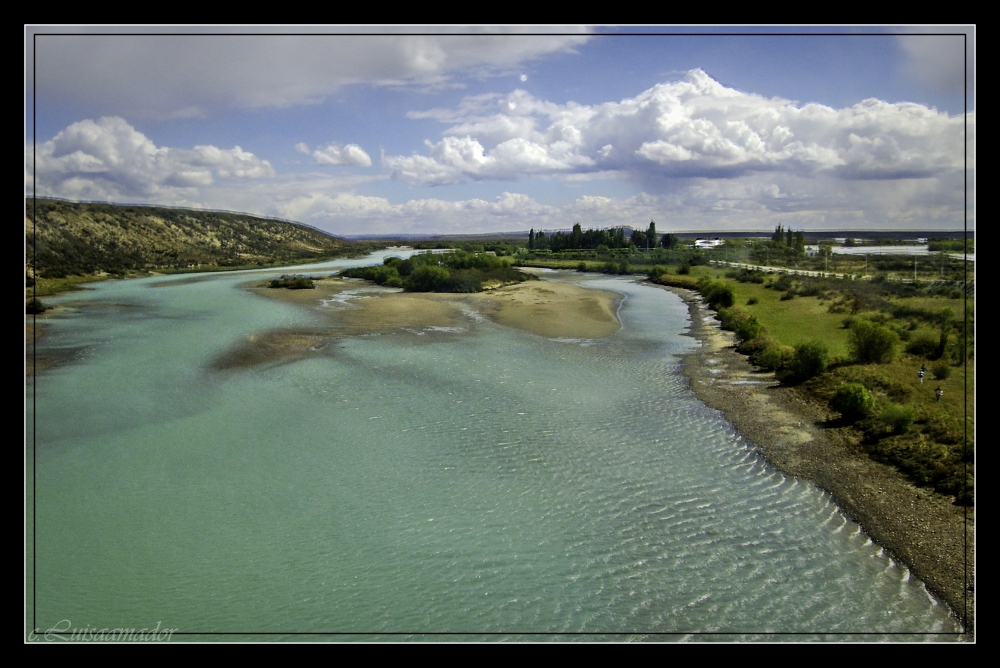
{"type": "Point", "coordinates": [481, 132]}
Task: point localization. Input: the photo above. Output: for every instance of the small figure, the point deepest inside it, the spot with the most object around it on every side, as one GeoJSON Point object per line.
{"type": "Point", "coordinates": [922, 373]}
{"type": "Point", "coordinates": [938, 392]}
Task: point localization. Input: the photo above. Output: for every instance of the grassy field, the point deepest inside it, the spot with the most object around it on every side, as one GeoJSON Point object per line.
{"type": "Point", "coordinates": [46, 287]}
{"type": "Point", "coordinates": [791, 322]}
{"type": "Point", "coordinates": [932, 442]}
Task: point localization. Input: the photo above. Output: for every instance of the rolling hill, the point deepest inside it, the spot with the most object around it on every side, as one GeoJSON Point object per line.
{"type": "Point", "coordinates": [70, 238]}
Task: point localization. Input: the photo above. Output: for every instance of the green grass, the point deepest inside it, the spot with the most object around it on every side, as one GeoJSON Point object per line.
{"type": "Point", "coordinates": [46, 287]}
{"type": "Point", "coordinates": [791, 322]}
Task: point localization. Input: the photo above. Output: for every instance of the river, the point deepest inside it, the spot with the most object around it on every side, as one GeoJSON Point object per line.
{"type": "Point", "coordinates": [483, 481]}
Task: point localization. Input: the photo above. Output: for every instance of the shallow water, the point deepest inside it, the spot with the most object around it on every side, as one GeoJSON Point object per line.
{"type": "Point", "coordinates": [481, 481]}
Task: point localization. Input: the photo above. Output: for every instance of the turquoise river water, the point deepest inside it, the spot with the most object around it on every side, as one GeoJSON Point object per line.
{"type": "Point", "coordinates": [480, 481]}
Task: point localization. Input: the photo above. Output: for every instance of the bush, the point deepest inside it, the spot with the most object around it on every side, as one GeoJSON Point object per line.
{"type": "Point", "coordinates": [871, 343]}
{"type": "Point", "coordinates": [293, 283]}
{"type": "Point", "coordinates": [893, 419]}
{"type": "Point", "coordinates": [685, 268]}
{"type": "Point", "coordinates": [34, 307]}
{"type": "Point", "coordinates": [656, 271]}
{"type": "Point", "coordinates": [751, 301]}
{"type": "Point", "coordinates": [718, 294]}
{"type": "Point", "coordinates": [810, 360]}
{"type": "Point", "coordinates": [923, 345]}
{"type": "Point", "coordinates": [426, 278]}
{"type": "Point", "coordinates": [774, 357]}
{"type": "Point", "coordinates": [744, 324]}
{"type": "Point", "coordinates": [941, 371]}
{"type": "Point", "coordinates": [787, 296]}
{"type": "Point", "coordinates": [767, 353]}
{"type": "Point", "coordinates": [853, 401]}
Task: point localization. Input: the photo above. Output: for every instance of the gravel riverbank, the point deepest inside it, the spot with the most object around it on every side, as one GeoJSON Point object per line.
{"type": "Point", "coordinates": [926, 531]}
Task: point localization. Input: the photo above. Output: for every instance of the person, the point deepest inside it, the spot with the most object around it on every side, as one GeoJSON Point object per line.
{"type": "Point", "coordinates": [922, 373]}
{"type": "Point", "coordinates": [938, 392]}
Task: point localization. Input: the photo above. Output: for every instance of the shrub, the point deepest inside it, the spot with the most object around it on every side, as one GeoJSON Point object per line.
{"type": "Point", "coordinates": [941, 371]}
{"type": "Point", "coordinates": [751, 301]}
{"type": "Point", "coordinates": [871, 343]}
{"type": "Point", "coordinates": [810, 360]}
{"type": "Point", "coordinates": [718, 294]}
{"type": "Point", "coordinates": [685, 268]}
{"type": "Point", "coordinates": [745, 325]}
{"type": "Point", "coordinates": [582, 266]}
{"type": "Point", "coordinates": [656, 271]}
{"type": "Point", "coordinates": [774, 357]}
{"type": "Point", "coordinates": [35, 307]}
{"type": "Point", "coordinates": [426, 278]}
{"type": "Point", "coordinates": [895, 419]}
{"type": "Point", "coordinates": [853, 401]}
{"type": "Point", "coordinates": [923, 345]}
{"type": "Point", "coordinates": [293, 283]}
{"type": "Point", "coordinates": [787, 296]}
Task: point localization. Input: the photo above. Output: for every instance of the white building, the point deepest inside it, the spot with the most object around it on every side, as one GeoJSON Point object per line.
{"type": "Point", "coordinates": [708, 243]}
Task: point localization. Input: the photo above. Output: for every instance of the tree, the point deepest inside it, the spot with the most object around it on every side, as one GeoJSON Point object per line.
{"type": "Point", "coordinates": [531, 239]}
{"type": "Point", "coordinates": [668, 241]}
{"type": "Point", "coordinates": [651, 235]}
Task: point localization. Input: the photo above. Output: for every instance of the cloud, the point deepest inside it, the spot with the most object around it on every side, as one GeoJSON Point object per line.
{"type": "Point", "coordinates": [349, 213]}
{"type": "Point", "coordinates": [455, 159]}
{"type": "Point", "coordinates": [164, 76]}
{"type": "Point", "coordinates": [335, 154]}
{"type": "Point", "coordinates": [108, 159]}
{"type": "Point", "coordinates": [691, 128]}
{"type": "Point", "coordinates": [940, 61]}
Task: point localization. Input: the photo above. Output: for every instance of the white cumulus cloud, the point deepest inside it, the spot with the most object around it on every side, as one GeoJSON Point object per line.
{"type": "Point", "coordinates": [336, 154]}
{"type": "Point", "coordinates": [691, 128]}
{"type": "Point", "coordinates": [108, 159]}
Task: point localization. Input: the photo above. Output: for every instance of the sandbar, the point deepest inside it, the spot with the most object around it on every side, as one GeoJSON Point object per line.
{"type": "Point", "coordinates": [553, 309]}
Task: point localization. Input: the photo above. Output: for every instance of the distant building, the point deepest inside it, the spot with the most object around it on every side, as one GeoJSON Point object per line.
{"type": "Point", "coordinates": [812, 251]}
{"type": "Point", "coordinates": [708, 243]}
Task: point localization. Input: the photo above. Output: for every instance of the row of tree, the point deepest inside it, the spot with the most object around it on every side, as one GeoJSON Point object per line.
{"type": "Point", "coordinates": [594, 239]}
{"type": "Point", "coordinates": [788, 239]}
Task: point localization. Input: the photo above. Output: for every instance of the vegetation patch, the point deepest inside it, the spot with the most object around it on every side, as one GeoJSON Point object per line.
{"type": "Point", "coordinates": [459, 271]}
{"type": "Point", "coordinates": [293, 283]}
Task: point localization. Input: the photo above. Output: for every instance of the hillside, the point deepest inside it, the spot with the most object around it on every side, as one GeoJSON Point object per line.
{"type": "Point", "coordinates": [70, 238]}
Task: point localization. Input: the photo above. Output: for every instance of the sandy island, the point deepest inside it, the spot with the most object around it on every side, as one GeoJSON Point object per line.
{"type": "Point", "coordinates": [924, 530]}
{"type": "Point", "coordinates": [553, 309]}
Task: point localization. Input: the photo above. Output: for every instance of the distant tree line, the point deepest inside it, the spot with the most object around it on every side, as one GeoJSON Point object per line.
{"type": "Point", "coordinates": [595, 239]}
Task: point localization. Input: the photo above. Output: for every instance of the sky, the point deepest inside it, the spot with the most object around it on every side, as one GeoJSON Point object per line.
{"type": "Point", "coordinates": [417, 130]}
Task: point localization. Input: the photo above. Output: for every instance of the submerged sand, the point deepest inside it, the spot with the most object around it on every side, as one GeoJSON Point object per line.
{"type": "Point", "coordinates": [923, 529]}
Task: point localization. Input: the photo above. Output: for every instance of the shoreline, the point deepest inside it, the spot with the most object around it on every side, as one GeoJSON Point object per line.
{"type": "Point", "coordinates": [923, 530]}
